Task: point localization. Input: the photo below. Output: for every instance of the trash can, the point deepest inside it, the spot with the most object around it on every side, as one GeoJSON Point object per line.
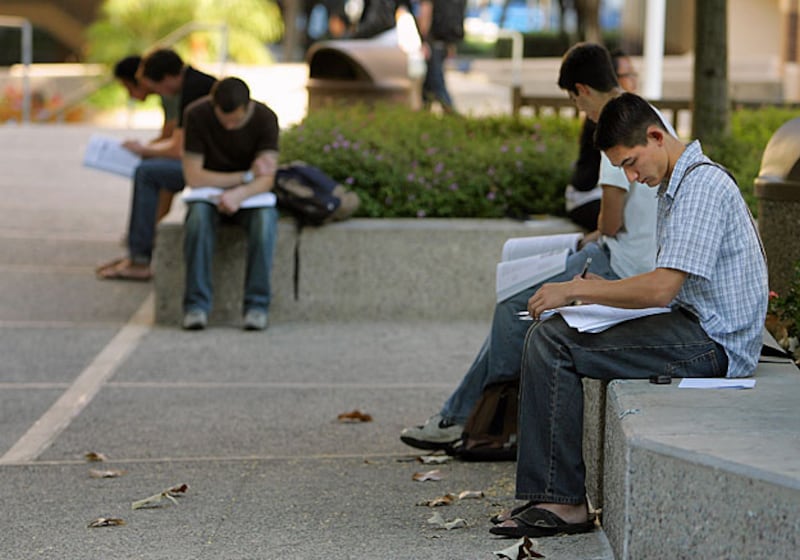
{"type": "Point", "coordinates": [777, 188]}
{"type": "Point", "coordinates": [356, 71]}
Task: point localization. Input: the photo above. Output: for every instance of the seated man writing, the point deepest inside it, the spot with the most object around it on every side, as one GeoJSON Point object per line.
{"type": "Point", "coordinates": [231, 142]}
{"type": "Point", "coordinates": [710, 269]}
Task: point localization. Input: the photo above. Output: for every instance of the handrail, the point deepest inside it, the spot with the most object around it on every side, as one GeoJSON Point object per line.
{"type": "Point", "coordinates": [26, 46]}
{"type": "Point", "coordinates": [88, 89]}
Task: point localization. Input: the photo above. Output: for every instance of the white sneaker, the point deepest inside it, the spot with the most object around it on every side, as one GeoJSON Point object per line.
{"type": "Point", "coordinates": [255, 320]}
{"type": "Point", "coordinates": [195, 320]}
{"type": "Point", "coordinates": [436, 433]}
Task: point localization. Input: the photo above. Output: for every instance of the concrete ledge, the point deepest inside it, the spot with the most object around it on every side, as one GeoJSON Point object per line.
{"type": "Point", "coordinates": [703, 473]}
{"type": "Point", "coordinates": [355, 270]}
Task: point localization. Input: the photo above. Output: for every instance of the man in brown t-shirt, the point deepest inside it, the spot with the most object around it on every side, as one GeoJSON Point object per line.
{"type": "Point", "coordinates": [230, 142]}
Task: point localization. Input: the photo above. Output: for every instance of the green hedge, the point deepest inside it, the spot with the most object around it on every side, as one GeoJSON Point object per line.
{"type": "Point", "coordinates": [405, 163]}
{"type": "Point", "coordinates": [415, 164]}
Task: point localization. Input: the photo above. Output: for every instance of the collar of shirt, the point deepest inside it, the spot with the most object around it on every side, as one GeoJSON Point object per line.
{"type": "Point", "coordinates": [692, 153]}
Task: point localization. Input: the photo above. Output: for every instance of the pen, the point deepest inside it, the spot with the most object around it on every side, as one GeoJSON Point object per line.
{"type": "Point", "coordinates": [586, 267]}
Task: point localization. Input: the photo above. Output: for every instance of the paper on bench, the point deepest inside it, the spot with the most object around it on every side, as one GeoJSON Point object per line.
{"type": "Point", "coordinates": [716, 383]}
{"type": "Point", "coordinates": [595, 318]}
{"type": "Point", "coordinates": [107, 154]}
{"type": "Point", "coordinates": [212, 194]}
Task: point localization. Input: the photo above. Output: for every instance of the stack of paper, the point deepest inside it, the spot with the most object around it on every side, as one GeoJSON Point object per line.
{"type": "Point", "coordinates": [107, 154]}
{"type": "Point", "coordinates": [594, 318]}
{"type": "Point", "coordinates": [212, 194]}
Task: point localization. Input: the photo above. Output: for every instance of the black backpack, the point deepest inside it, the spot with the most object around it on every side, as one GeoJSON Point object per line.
{"type": "Point", "coordinates": [448, 20]}
{"type": "Point", "coordinates": [490, 433]}
{"type": "Point", "coordinates": [311, 196]}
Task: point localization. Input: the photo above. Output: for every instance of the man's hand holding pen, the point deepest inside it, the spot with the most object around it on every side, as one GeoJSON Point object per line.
{"type": "Point", "coordinates": [558, 294]}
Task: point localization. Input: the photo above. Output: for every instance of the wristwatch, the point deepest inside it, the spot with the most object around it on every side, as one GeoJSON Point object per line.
{"type": "Point", "coordinates": [248, 176]}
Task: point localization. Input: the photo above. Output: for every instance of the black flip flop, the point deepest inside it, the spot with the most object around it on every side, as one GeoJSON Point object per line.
{"type": "Point", "coordinates": [508, 514]}
{"type": "Point", "coordinates": [538, 522]}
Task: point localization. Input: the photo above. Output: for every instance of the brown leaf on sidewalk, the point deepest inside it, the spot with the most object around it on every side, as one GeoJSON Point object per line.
{"type": "Point", "coordinates": [470, 495]}
{"type": "Point", "coordinates": [177, 489]}
{"type": "Point", "coordinates": [435, 474]}
{"type": "Point", "coordinates": [438, 521]}
{"type": "Point", "coordinates": [106, 473]}
{"type": "Point", "coordinates": [94, 457]}
{"type": "Point", "coordinates": [445, 500]}
{"type": "Point", "coordinates": [354, 416]}
{"type": "Point", "coordinates": [106, 522]}
{"type": "Point", "coordinates": [434, 459]}
{"type": "Point", "coordinates": [520, 550]}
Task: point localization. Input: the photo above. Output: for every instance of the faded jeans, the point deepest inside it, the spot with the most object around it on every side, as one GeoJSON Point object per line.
{"type": "Point", "coordinates": [261, 226]}
{"type": "Point", "coordinates": [550, 466]}
{"type": "Point", "coordinates": [434, 87]}
{"type": "Point", "coordinates": [501, 354]}
{"type": "Point", "coordinates": [150, 177]}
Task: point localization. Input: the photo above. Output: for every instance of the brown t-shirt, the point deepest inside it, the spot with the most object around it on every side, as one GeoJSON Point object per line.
{"type": "Point", "coordinates": [229, 150]}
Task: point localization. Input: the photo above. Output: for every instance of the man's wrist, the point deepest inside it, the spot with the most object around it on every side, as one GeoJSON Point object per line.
{"type": "Point", "coordinates": [248, 176]}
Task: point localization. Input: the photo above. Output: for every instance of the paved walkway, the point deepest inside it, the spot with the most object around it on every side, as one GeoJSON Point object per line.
{"type": "Point", "coordinates": [247, 420]}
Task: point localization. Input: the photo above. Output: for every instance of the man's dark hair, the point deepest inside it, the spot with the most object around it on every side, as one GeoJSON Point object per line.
{"type": "Point", "coordinates": [589, 64]}
{"type": "Point", "coordinates": [624, 121]}
{"type": "Point", "coordinates": [161, 63]}
{"type": "Point", "coordinates": [126, 68]}
{"type": "Point", "coordinates": [229, 94]}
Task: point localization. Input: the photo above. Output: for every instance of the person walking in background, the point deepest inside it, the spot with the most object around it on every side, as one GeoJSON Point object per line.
{"type": "Point", "coordinates": [441, 26]}
{"type": "Point", "coordinates": [162, 72]}
{"type": "Point", "coordinates": [582, 195]}
{"type": "Point", "coordinates": [231, 142]}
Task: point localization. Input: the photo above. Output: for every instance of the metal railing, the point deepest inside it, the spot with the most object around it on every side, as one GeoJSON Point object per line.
{"type": "Point", "coordinates": [82, 93]}
{"type": "Point", "coordinates": [26, 48]}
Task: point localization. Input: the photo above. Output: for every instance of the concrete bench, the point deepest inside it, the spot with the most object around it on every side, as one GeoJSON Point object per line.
{"type": "Point", "coordinates": [691, 473]}
{"type": "Point", "coordinates": [357, 269]}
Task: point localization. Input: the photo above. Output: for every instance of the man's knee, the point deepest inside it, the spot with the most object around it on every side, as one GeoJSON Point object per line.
{"type": "Point", "coordinates": [200, 216]}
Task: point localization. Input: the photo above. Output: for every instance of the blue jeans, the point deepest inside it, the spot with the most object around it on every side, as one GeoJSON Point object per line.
{"type": "Point", "coordinates": [150, 177]}
{"type": "Point", "coordinates": [550, 464]}
{"type": "Point", "coordinates": [501, 354]}
{"type": "Point", "coordinates": [434, 88]}
{"type": "Point", "coordinates": [261, 225]}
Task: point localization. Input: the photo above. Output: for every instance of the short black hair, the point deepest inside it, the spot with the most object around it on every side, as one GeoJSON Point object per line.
{"type": "Point", "coordinates": [161, 63]}
{"type": "Point", "coordinates": [228, 94]}
{"type": "Point", "coordinates": [624, 122]}
{"type": "Point", "coordinates": [589, 64]}
{"type": "Point", "coordinates": [126, 68]}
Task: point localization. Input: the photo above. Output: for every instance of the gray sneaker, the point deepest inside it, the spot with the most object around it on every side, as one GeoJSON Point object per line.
{"type": "Point", "coordinates": [255, 320]}
{"type": "Point", "coordinates": [436, 433]}
{"type": "Point", "coordinates": [195, 320]}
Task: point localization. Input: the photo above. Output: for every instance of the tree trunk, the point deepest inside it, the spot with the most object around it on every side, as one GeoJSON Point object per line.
{"type": "Point", "coordinates": [588, 12]}
{"type": "Point", "coordinates": [710, 105]}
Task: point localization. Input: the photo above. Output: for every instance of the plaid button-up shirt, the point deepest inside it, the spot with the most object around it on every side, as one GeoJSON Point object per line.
{"type": "Point", "coordinates": [705, 229]}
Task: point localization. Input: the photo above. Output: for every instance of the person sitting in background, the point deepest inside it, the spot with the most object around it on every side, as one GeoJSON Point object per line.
{"type": "Point", "coordinates": [231, 143]}
{"type": "Point", "coordinates": [162, 72]}
{"type": "Point", "coordinates": [125, 73]}
{"type": "Point", "coordinates": [582, 195]}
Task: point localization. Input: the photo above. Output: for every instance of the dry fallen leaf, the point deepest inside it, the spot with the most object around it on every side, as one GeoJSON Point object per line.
{"type": "Point", "coordinates": [445, 500]}
{"type": "Point", "coordinates": [438, 521]}
{"type": "Point", "coordinates": [434, 459]}
{"type": "Point", "coordinates": [435, 474]}
{"type": "Point", "coordinates": [520, 550]}
{"type": "Point", "coordinates": [106, 522]}
{"type": "Point", "coordinates": [470, 495]}
{"type": "Point", "coordinates": [155, 499]}
{"type": "Point", "coordinates": [93, 457]}
{"type": "Point", "coordinates": [354, 416]}
{"type": "Point", "coordinates": [107, 473]}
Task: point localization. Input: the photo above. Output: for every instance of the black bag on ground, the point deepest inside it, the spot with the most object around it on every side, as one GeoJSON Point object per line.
{"type": "Point", "coordinates": [311, 196]}
{"type": "Point", "coordinates": [490, 433]}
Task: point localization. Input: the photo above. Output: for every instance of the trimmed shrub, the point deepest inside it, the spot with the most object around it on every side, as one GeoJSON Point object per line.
{"type": "Point", "coordinates": [404, 163]}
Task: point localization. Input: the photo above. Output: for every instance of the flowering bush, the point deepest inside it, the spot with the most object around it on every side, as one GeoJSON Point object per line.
{"type": "Point", "coordinates": [41, 108]}
{"type": "Point", "coordinates": [414, 164]}
{"type": "Point", "coordinates": [783, 315]}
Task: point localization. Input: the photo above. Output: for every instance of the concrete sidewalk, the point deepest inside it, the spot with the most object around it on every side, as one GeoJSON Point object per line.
{"type": "Point", "coordinates": [248, 420]}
